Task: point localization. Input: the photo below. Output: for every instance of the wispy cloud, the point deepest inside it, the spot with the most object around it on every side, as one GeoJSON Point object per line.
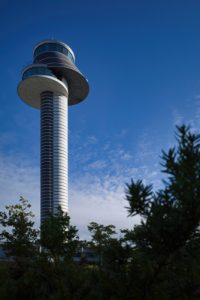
{"type": "Point", "coordinates": [18, 178]}
{"type": "Point", "coordinates": [97, 188]}
{"type": "Point", "coordinates": [188, 114]}
{"type": "Point", "coordinates": [98, 164]}
{"type": "Point", "coordinates": [98, 173]}
{"type": "Point", "coordinates": [177, 117]}
{"type": "Point", "coordinates": [100, 201]}
{"type": "Point", "coordinates": [92, 139]}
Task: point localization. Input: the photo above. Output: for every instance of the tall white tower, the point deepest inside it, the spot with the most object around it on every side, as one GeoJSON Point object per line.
{"type": "Point", "coordinates": [50, 84]}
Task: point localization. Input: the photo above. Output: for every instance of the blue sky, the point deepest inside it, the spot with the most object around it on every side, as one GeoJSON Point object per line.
{"type": "Point", "coordinates": [142, 60]}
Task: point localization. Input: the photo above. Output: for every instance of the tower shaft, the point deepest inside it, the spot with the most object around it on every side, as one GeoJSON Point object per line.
{"type": "Point", "coordinates": [54, 153]}
{"type": "Point", "coordinates": [52, 83]}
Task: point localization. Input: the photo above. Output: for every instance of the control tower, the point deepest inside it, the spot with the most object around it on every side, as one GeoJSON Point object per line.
{"type": "Point", "coordinates": [51, 84]}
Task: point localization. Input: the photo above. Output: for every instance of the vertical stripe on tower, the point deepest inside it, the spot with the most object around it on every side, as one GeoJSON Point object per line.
{"type": "Point", "coordinates": [46, 158]}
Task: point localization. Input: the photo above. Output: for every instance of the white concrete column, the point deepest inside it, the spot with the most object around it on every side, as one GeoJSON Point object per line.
{"type": "Point", "coordinates": [60, 153]}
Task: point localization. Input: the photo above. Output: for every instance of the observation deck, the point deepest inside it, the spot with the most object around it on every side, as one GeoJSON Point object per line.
{"type": "Point", "coordinates": [53, 46]}
{"type": "Point", "coordinates": [53, 69]}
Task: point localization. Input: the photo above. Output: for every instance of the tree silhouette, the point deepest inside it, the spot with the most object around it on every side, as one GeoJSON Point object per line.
{"type": "Point", "coordinates": [168, 235]}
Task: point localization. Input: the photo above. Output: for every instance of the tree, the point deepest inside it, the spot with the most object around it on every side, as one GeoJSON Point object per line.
{"type": "Point", "coordinates": [164, 245]}
{"type": "Point", "coordinates": [19, 239]}
{"type": "Point", "coordinates": [59, 239]}
{"type": "Point", "coordinates": [156, 259]}
{"type": "Point", "coordinates": [101, 235]}
{"type": "Point", "coordinates": [18, 233]}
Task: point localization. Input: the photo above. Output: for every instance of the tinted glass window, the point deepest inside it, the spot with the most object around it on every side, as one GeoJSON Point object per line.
{"type": "Point", "coordinates": [70, 56]}
{"type": "Point", "coordinates": [37, 71]}
{"type": "Point", "coordinates": [53, 47]}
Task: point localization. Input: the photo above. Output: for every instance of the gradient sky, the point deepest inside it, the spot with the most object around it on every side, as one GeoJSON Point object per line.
{"type": "Point", "coordinates": [142, 60]}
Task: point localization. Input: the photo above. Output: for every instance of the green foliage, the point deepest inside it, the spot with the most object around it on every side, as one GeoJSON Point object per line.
{"type": "Point", "coordinates": [156, 259]}
{"type": "Point", "coordinates": [59, 239]}
{"type": "Point", "coordinates": [139, 198]}
{"type": "Point", "coordinates": [18, 236]}
{"type": "Point", "coordinates": [19, 239]}
{"type": "Point", "coordinates": [162, 242]}
{"type": "Point", "coordinates": [100, 235]}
